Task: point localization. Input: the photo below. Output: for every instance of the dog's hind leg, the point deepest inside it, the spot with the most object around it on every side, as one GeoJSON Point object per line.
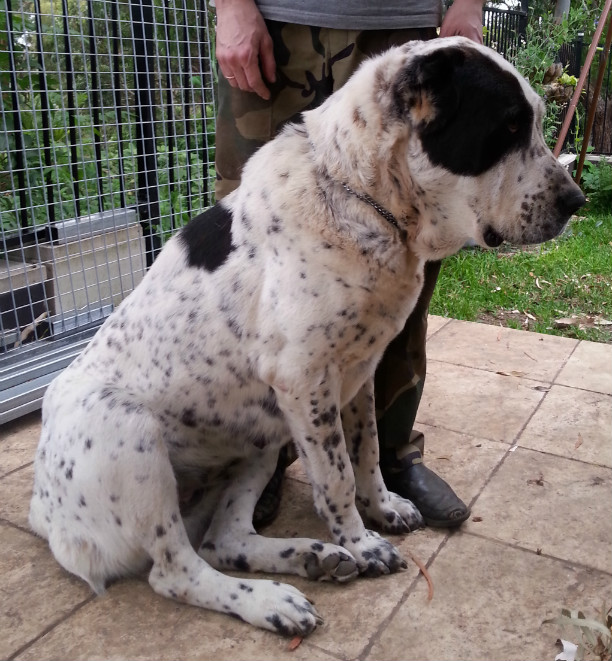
{"type": "Point", "coordinates": [180, 573]}
{"type": "Point", "coordinates": [388, 511]}
{"type": "Point", "coordinates": [231, 541]}
{"type": "Point", "coordinates": [108, 498]}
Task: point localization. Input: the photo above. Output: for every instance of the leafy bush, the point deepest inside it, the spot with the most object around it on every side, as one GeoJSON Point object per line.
{"type": "Point", "coordinates": [596, 183]}
{"type": "Point", "coordinates": [535, 59]}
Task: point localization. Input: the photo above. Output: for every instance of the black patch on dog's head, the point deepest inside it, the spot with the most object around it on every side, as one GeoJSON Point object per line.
{"type": "Point", "coordinates": [208, 238]}
{"type": "Point", "coordinates": [470, 113]}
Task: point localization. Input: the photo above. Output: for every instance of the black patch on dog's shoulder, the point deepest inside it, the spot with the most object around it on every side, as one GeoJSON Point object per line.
{"type": "Point", "coordinates": [479, 111]}
{"type": "Point", "coordinates": [208, 238]}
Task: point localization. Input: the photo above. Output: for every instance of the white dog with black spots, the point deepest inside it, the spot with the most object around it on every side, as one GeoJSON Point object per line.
{"type": "Point", "coordinates": [261, 323]}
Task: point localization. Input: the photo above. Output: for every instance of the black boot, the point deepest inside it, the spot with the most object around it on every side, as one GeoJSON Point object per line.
{"type": "Point", "coordinates": [408, 477]}
{"type": "Point", "coordinates": [266, 509]}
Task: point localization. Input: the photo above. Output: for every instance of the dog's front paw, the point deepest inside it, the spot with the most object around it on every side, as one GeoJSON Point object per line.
{"type": "Point", "coordinates": [328, 562]}
{"type": "Point", "coordinates": [405, 514]}
{"type": "Point", "coordinates": [375, 555]}
{"type": "Point", "coordinates": [278, 607]}
{"type": "Point", "coordinates": [396, 516]}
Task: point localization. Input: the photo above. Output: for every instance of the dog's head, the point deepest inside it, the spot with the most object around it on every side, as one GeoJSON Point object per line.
{"type": "Point", "coordinates": [450, 127]}
{"type": "Point", "coordinates": [475, 117]}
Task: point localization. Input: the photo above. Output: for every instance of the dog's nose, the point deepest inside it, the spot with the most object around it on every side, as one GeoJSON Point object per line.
{"type": "Point", "coordinates": [570, 201]}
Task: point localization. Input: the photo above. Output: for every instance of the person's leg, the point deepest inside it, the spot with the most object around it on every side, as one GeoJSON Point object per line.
{"type": "Point", "coordinates": [243, 126]}
{"type": "Point", "coordinates": [399, 382]}
{"type": "Point", "coordinates": [311, 64]}
{"type": "Point", "coordinates": [400, 377]}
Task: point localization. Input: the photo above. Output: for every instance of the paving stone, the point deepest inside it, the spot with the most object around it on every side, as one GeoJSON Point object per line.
{"type": "Point", "coordinates": [36, 592]}
{"type": "Point", "coordinates": [435, 323]}
{"type": "Point", "coordinates": [15, 495]}
{"type": "Point", "coordinates": [491, 589]}
{"type": "Point", "coordinates": [465, 462]}
{"type": "Point", "coordinates": [367, 602]}
{"type": "Point", "coordinates": [489, 602]}
{"type": "Point", "coordinates": [572, 423]}
{"type": "Point", "coordinates": [541, 501]}
{"type": "Point", "coordinates": [589, 368]}
{"type": "Point", "coordinates": [532, 355]}
{"type": "Point", "coordinates": [18, 442]}
{"type": "Point", "coordinates": [130, 621]}
{"type": "Point", "coordinates": [477, 402]}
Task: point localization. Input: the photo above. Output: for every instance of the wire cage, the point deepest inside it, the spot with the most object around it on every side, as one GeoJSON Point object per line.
{"type": "Point", "coordinates": [106, 148]}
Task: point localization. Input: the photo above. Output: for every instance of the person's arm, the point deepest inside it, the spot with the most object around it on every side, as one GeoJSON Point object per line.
{"type": "Point", "coordinates": [244, 46]}
{"type": "Point", "coordinates": [464, 18]}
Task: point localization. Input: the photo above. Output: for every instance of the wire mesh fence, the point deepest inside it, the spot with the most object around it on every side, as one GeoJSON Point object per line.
{"type": "Point", "coordinates": [106, 148]}
{"type": "Point", "coordinates": [107, 115]}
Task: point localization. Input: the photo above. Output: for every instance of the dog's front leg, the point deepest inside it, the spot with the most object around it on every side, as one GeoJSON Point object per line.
{"type": "Point", "coordinates": [314, 419]}
{"type": "Point", "coordinates": [388, 511]}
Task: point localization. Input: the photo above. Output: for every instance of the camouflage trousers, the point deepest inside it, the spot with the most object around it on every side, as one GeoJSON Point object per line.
{"type": "Point", "coordinates": [312, 63]}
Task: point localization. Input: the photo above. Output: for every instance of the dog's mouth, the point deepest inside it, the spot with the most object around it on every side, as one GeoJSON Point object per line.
{"type": "Point", "coordinates": [492, 238]}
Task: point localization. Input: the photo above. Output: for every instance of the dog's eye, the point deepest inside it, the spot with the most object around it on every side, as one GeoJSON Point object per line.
{"type": "Point", "coordinates": [513, 127]}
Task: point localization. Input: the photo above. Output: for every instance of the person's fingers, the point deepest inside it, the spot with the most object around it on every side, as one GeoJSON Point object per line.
{"type": "Point", "coordinates": [242, 71]}
{"type": "Point", "coordinates": [463, 19]}
{"type": "Point", "coordinates": [254, 81]}
{"type": "Point", "coordinates": [266, 59]}
{"type": "Point", "coordinates": [230, 79]}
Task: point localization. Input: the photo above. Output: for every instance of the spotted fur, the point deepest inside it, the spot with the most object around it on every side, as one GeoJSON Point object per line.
{"type": "Point", "coordinates": [262, 322]}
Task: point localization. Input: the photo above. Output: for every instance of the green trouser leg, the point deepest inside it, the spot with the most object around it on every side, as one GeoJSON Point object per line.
{"type": "Point", "coordinates": [400, 376]}
{"type": "Point", "coordinates": [311, 64]}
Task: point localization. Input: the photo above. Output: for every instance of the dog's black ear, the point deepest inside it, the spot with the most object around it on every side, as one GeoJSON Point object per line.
{"type": "Point", "coordinates": [437, 68]}
{"type": "Point", "coordinates": [426, 82]}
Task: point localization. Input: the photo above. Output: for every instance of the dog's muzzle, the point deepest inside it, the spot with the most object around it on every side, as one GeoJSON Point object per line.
{"type": "Point", "coordinates": [569, 202]}
{"type": "Point", "coordinates": [492, 238]}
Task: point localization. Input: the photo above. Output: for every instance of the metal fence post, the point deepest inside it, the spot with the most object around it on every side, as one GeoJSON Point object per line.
{"type": "Point", "coordinates": [522, 26]}
{"type": "Point", "coordinates": [141, 12]}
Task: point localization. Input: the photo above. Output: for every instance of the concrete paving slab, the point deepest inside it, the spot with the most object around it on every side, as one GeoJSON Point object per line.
{"type": "Point", "coordinates": [560, 506]}
{"type": "Point", "coordinates": [490, 600]}
{"type": "Point", "coordinates": [532, 355]}
{"type": "Point", "coordinates": [435, 323]}
{"type": "Point", "coordinates": [130, 621]}
{"type": "Point", "coordinates": [15, 495]}
{"type": "Point", "coordinates": [477, 402]}
{"type": "Point", "coordinates": [589, 368]}
{"type": "Point", "coordinates": [18, 442]}
{"type": "Point", "coordinates": [464, 461]}
{"type": "Point", "coordinates": [365, 601]}
{"type": "Point", "coordinates": [36, 592]}
{"type": "Point", "coordinates": [572, 423]}
{"type": "Point", "coordinates": [491, 588]}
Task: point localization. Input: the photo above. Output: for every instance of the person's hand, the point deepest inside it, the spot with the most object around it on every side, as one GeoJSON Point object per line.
{"type": "Point", "coordinates": [244, 47]}
{"type": "Point", "coordinates": [464, 19]}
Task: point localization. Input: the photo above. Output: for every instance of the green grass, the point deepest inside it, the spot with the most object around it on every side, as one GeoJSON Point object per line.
{"type": "Point", "coordinates": [533, 288]}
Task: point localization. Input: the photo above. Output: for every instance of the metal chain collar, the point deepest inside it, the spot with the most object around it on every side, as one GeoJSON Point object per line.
{"type": "Point", "coordinates": [387, 215]}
